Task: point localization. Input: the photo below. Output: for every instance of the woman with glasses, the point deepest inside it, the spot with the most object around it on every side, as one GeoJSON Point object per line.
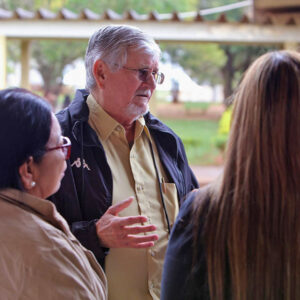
{"type": "Point", "coordinates": [39, 256]}
{"type": "Point", "coordinates": [239, 238]}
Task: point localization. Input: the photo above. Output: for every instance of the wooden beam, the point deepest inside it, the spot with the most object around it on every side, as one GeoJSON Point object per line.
{"type": "Point", "coordinates": [167, 31]}
{"type": "Point", "coordinates": [291, 46]}
{"type": "Point", "coordinates": [271, 4]}
{"type": "Point", "coordinates": [3, 62]}
{"type": "Point", "coordinates": [25, 58]}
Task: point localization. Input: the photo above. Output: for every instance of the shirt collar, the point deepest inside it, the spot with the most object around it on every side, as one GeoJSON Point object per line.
{"type": "Point", "coordinates": [41, 207]}
{"type": "Point", "coordinates": [140, 126]}
{"type": "Point", "coordinates": [103, 123]}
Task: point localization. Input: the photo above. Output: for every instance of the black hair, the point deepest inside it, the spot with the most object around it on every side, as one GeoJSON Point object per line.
{"type": "Point", "coordinates": [25, 125]}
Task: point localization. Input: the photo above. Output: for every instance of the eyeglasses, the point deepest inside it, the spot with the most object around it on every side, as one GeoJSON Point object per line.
{"type": "Point", "coordinates": [144, 75]}
{"type": "Point", "coordinates": [65, 147]}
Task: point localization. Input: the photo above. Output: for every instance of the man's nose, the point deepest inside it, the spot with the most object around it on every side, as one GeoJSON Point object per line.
{"type": "Point", "coordinates": [150, 81]}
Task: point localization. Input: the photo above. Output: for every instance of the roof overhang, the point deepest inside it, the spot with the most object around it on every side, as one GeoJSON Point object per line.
{"type": "Point", "coordinates": [269, 28]}
{"type": "Point", "coordinates": [169, 31]}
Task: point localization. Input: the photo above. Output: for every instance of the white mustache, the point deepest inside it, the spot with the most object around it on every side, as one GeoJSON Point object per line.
{"type": "Point", "coordinates": [146, 93]}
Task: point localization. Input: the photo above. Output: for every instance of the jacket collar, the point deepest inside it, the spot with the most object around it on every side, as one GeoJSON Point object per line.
{"type": "Point", "coordinates": [78, 109]}
{"type": "Point", "coordinates": [155, 124]}
{"type": "Point", "coordinates": [79, 113]}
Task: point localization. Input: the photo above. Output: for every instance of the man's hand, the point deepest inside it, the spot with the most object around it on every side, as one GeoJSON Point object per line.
{"type": "Point", "coordinates": [116, 232]}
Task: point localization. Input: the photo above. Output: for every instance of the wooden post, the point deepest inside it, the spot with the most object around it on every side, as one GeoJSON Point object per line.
{"type": "Point", "coordinates": [25, 57]}
{"type": "Point", "coordinates": [3, 56]}
{"type": "Point", "coordinates": [291, 46]}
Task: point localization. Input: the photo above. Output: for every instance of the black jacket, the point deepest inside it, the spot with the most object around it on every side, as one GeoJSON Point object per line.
{"type": "Point", "coordinates": [183, 278]}
{"type": "Point", "coordinates": [86, 189]}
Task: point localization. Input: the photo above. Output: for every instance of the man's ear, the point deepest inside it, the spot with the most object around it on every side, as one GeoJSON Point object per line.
{"type": "Point", "coordinates": [99, 71]}
{"type": "Point", "coordinates": [26, 173]}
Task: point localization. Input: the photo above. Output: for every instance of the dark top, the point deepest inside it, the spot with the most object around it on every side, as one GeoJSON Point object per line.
{"type": "Point", "coordinates": [182, 279]}
{"type": "Point", "coordinates": [86, 189]}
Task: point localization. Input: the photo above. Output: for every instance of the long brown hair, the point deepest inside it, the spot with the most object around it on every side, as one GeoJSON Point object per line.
{"type": "Point", "coordinates": [252, 228]}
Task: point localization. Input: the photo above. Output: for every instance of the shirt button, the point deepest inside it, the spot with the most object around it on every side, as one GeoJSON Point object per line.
{"type": "Point", "coordinates": [152, 253]}
{"type": "Point", "coordinates": [139, 188]}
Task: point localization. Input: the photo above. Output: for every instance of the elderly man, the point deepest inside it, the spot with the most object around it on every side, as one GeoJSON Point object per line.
{"type": "Point", "coordinates": [120, 151]}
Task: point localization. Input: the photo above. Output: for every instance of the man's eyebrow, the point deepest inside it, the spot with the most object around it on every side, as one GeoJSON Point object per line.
{"type": "Point", "coordinates": [148, 68]}
{"type": "Point", "coordinates": [145, 68]}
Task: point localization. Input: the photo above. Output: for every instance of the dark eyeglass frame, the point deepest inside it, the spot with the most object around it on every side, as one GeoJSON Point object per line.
{"type": "Point", "coordinates": [65, 147]}
{"type": "Point", "coordinates": [144, 74]}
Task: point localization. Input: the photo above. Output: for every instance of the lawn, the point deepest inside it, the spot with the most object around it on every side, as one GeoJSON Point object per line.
{"type": "Point", "coordinates": [198, 137]}
{"type": "Point", "coordinates": [197, 105]}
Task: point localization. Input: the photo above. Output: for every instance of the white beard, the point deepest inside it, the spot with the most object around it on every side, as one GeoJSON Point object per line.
{"type": "Point", "coordinates": [136, 111]}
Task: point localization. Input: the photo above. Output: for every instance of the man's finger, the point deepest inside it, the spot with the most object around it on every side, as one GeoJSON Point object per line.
{"type": "Point", "coordinates": [137, 239]}
{"type": "Point", "coordinates": [145, 241]}
{"type": "Point", "coordinates": [125, 221]}
{"type": "Point", "coordinates": [140, 229]}
{"type": "Point", "coordinates": [142, 245]}
{"type": "Point", "coordinates": [115, 209]}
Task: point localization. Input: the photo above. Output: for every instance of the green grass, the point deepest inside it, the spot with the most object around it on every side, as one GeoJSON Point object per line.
{"type": "Point", "coordinates": [197, 105]}
{"type": "Point", "coordinates": [198, 137]}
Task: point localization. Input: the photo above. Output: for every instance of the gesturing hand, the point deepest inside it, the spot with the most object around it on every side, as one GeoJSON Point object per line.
{"type": "Point", "coordinates": [116, 232]}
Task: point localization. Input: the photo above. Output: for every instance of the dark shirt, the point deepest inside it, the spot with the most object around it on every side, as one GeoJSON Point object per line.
{"type": "Point", "coordinates": [182, 279]}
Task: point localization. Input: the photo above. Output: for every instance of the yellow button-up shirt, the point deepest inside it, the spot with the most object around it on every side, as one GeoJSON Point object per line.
{"type": "Point", "coordinates": [135, 274]}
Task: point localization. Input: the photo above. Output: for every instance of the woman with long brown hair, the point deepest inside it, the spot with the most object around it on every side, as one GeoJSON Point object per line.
{"type": "Point", "coordinates": [239, 238]}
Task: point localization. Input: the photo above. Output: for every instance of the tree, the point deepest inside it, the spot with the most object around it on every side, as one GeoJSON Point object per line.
{"type": "Point", "coordinates": [142, 7]}
{"type": "Point", "coordinates": [212, 63]}
{"type": "Point", "coordinates": [201, 61]}
{"type": "Point", "coordinates": [52, 57]}
{"type": "Point", "coordinates": [209, 63]}
{"type": "Point", "coordinates": [238, 59]}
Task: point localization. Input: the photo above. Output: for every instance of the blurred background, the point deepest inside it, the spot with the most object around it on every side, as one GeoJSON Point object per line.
{"type": "Point", "coordinates": [206, 44]}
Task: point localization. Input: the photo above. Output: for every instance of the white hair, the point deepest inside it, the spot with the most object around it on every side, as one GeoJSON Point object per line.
{"type": "Point", "coordinates": [111, 43]}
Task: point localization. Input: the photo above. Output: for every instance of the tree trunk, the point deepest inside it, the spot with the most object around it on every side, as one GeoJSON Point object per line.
{"type": "Point", "coordinates": [228, 74]}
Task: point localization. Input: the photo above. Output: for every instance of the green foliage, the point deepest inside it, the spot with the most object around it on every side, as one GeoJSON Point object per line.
{"type": "Point", "coordinates": [203, 4]}
{"type": "Point", "coordinates": [53, 5]}
{"type": "Point", "coordinates": [52, 57]}
{"type": "Point", "coordinates": [221, 141]}
{"type": "Point", "coordinates": [215, 64]}
{"type": "Point", "coordinates": [13, 4]}
{"type": "Point", "coordinates": [205, 63]}
{"type": "Point", "coordinates": [212, 63]}
{"type": "Point", "coordinates": [201, 61]}
{"type": "Point", "coordinates": [13, 54]}
{"type": "Point", "coordinates": [233, 15]}
{"type": "Point", "coordinates": [240, 57]}
{"type": "Point", "coordinates": [118, 6]}
{"type": "Point", "coordinates": [137, 5]}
